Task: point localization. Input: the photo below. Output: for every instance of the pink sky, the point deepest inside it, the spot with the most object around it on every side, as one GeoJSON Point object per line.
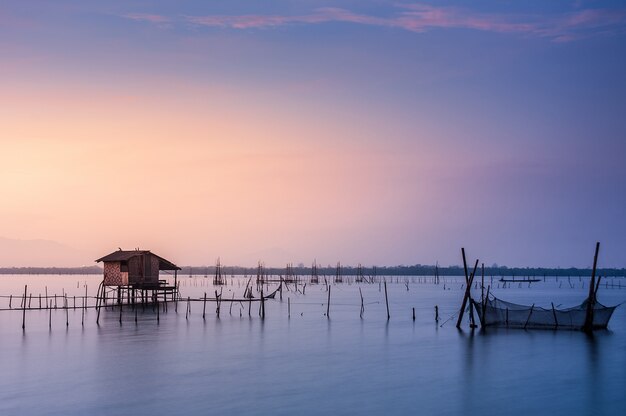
{"type": "Point", "coordinates": [359, 132]}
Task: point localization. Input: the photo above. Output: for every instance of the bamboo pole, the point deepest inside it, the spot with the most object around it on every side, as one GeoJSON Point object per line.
{"type": "Point", "coordinates": [471, 310]}
{"type": "Point", "coordinates": [328, 304]}
{"type": "Point", "coordinates": [588, 326]}
{"type": "Point", "coordinates": [24, 310]}
{"type": "Point", "coordinates": [556, 321]}
{"type": "Point", "coordinates": [484, 305]}
{"type": "Point", "coordinates": [462, 311]}
{"type": "Point", "coordinates": [468, 287]}
{"type": "Point", "coordinates": [98, 306]}
{"type": "Point", "coordinates": [217, 300]}
{"type": "Point", "coordinates": [204, 306]}
{"type": "Point", "coordinates": [482, 281]}
{"type": "Point", "coordinates": [387, 301]}
{"type": "Point", "coordinates": [529, 314]}
{"type": "Point", "coordinates": [82, 321]}
{"type": "Point", "coordinates": [362, 307]}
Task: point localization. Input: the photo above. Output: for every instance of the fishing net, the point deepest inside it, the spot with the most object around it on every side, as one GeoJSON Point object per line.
{"type": "Point", "coordinates": [499, 313]}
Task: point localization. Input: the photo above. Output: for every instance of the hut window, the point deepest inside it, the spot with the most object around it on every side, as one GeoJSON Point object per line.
{"type": "Point", "coordinates": [123, 266]}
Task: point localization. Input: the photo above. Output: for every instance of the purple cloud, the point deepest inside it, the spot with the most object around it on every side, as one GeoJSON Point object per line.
{"type": "Point", "coordinates": [146, 17]}
{"type": "Point", "coordinates": [420, 18]}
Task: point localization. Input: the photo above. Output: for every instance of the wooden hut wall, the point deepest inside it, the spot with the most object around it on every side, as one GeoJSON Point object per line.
{"type": "Point", "coordinates": [150, 272]}
{"type": "Point", "coordinates": [154, 263]}
{"type": "Point", "coordinates": [112, 273]}
{"type": "Point", "coordinates": [135, 273]}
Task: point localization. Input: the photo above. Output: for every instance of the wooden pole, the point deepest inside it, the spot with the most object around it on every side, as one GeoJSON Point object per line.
{"type": "Point", "coordinates": [471, 301]}
{"type": "Point", "coordinates": [82, 321]}
{"type": "Point", "coordinates": [482, 281]}
{"type": "Point", "coordinates": [288, 307]}
{"type": "Point", "coordinates": [204, 306]}
{"type": "Point", "coordinates": [362, 307]}
{"type": "Point", "coordinates": [67, 316]}
{"type": "Point", "coordinates": [462, 311]}
{"type": "Point", "coordinates": [176, 289]}
{"type": "Point", "coordinates": [98, 304]}
{"type": "Point", "coordinates": [262, 304]}
{"type": "Point", "coordinates": [529, 314]}
{"type": "Point", "coordinates": [24, 309]}
{"type": "Point", "coordinates": [217, 300]}
{"type": "Point", "coordinates": [176, 299]}
{"type": "Point", "coordinates": [387, 301]}
{"type": "Point", "coordinates": [468, 287]}
{"type": "Point", "coordinates": [484, 305]}
{"type": "Point", "coordinates": [588, 326]}
{"type": "Point", "coordinates": [414, 314]}
{"type": "Point", "coordinates": [471, 311]}
{"type": "Point", "coordinates": [464, 264]}
{"type": "Point", "coordinates": [328, 304]}
{"type": "Point", "coordinates": [556, 321]}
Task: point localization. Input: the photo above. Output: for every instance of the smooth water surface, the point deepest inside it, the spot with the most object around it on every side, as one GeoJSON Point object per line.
{"type": "Point", "coordinates": [306, 363]}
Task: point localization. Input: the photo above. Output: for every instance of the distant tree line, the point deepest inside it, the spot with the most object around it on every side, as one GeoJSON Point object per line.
{"type": "Point", "coordinates": [51, 270]}
{"type": "Point", "coordinates": [415, 270]}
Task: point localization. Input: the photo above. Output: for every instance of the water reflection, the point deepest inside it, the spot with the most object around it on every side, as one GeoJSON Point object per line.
{"type": "Point", "coordinates": [307, 364]}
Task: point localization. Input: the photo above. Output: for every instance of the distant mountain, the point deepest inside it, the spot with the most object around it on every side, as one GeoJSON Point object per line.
{"type": "Point", "coordinates": [40, 253]}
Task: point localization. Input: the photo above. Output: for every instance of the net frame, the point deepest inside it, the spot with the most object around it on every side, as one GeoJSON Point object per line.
{"type": "Point", "coordinates": [494, 312]}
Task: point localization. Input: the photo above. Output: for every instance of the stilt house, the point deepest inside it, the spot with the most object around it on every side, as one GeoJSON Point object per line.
{"type": "Point", "coordinates": [136, 268]}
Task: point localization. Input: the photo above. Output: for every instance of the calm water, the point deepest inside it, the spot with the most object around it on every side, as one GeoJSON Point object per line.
{"type": "Point", "coordinates": [306, 363]}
